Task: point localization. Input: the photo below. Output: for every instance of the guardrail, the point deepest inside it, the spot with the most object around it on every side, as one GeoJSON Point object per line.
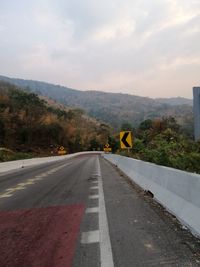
{"type": "Point", "coordinates": [178, 191]}
{"type": "Point", "coordinates": [18, 164]}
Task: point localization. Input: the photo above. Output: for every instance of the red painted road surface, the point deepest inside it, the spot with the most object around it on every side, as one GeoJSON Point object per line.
{"type": "Point", "coordinates": [39, 236]}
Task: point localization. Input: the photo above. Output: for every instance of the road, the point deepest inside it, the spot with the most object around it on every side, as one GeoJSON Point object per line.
{"type": "Point", "coordinates": [83, 212]}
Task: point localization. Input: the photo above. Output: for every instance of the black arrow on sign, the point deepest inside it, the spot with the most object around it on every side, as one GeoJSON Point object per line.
{"type": "Point", "coordinates": [124, 140]}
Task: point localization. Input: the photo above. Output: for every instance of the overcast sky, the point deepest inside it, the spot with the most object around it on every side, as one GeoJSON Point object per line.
{"type": "Point", "coordinates": [142, 47]}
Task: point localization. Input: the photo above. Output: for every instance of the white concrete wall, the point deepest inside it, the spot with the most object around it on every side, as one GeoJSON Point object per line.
{"type": "Point", "coordinates": [18, 164]}
{"type": "Point", "coordinates": [178, 191]}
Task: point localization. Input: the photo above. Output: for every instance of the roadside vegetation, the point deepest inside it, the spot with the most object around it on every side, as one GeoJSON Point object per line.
{"type": "Point", "coordinates": [113, 108]}
{"type": "Point", "coordinates": [163, 142]}
{"type": "Point", "coordinates": [31, 126]}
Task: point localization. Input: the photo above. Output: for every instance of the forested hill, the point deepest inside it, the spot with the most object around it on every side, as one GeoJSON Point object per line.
{"type": "Point", "coordinates": [30, 124]}
{"type": "Point", "coordinates": [173, 101]}
{"type": "Point", "coordinates": [113, 108]}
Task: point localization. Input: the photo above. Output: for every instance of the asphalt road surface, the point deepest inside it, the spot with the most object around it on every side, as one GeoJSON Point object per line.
{"type": "Point", "coordinates": [83, 212]}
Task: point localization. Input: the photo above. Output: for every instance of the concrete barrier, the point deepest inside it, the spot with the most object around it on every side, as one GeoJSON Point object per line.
{"type": "Point", "coordinates": [178, 191]}
{"type": "Point", "coordinates": [18, 164]}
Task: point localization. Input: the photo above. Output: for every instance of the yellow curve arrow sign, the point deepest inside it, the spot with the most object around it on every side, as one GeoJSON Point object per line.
{"type": "Point", "coordinates": [125, 139]}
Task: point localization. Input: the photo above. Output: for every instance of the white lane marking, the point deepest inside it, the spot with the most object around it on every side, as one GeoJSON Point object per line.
{"type": "Point", "coordinates": [95, 182]}
{"type": "Point", "coordinates": [5, 195]}
{"type": "Point", "coordinates": [41, 175]}
{"type": "Point", "coordinates": [18, 187]}
{"type": "Point", "coordinates": [90, 237]}
{"type": "Point", "coordinates": [105, 244]}
{"type": "Point", "coordinates": [38, 179]}
{"type": "Point", "coordinates": [92, 210]}
{"type": "Point", "coordinates": [22, 186]}
{"type": "Point", "coordinates": [93, 196]}
{"type": "Point", "coordinates": [10, 190]}
{"type": "Point", "coordinates": [94, 187]}
{"type": "Point", "coordinates": [29, 182]}
{"type": "Point", "coordinates": [51, 172]}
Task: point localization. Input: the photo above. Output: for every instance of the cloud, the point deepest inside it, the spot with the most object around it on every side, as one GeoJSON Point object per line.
{"type": "Point", "coordinates": [136, 46]}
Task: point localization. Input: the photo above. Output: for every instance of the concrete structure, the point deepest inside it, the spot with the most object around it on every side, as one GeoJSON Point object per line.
{"type": "Point", "coordinates": [196, 107]}
{"type": "Point", "coordinates": [178, 191]}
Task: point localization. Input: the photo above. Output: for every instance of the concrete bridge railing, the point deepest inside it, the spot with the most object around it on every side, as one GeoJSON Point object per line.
{"type": "Point", "coordinates": [178, 191]}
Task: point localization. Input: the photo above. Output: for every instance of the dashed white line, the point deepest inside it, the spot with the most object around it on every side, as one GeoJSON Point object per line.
{"type": "Point", "coordinates": [92, 210]}
{"type": "Point", "coordinates": [105, 244]}
{"type": "Point", "coordinates": [5, 195]}
{"type": "Point", "coordinates": [93, 196]}
{"type": "Point", "coordinates": [101, 235]}
{"type": "Point", "coordinates": [41, 175]}
{"type": "Point", "coordinates": [29, 182]}
{"type": "Point", "coordinates": [94, 187]}
{"type": "Point", "coordinates": [90, 237]}
{"type": "Point", "coordinates": [19, 187]}
{"type": "Point", "coordinates": [38, 179]}
{"type": "Point", "coordinates": [22, 186]}
{"type": "Point", "coordinates": [10, 190]}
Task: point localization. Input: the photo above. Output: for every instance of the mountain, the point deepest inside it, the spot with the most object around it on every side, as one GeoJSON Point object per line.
{"type": "Point", "coordinates": [112, 108]}
{"type": "Point", "coordinates": [30, 124]}
{"type": "Point", "coordinates": [174, 101]}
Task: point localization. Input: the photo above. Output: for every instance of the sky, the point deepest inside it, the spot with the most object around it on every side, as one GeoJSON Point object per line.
{"type": "Point", "coordinates": [141, 47]}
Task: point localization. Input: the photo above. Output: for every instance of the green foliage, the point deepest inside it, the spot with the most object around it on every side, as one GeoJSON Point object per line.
{"type": "Point", "coordinates": [161, 142]}
{"type": "Point", "coordinates": [21, 99]}
{"type": "Point", "coordinates": [31, 125]}
{"type": "Point", "coordinates": [114, 144]}
{"type": "Point", "coordinates": [2, 129]}
{"type": "Point", "coordinates": [146, 125]}
{"type": "Point", "coordinates": [58, 112]}
{"type": "Point", "coordinates": [138, 146]}
{"type": "Point", "coordinates": [94, 144]}
{"type": "Point", "coordinates": [126, 126]}
{"type": "Point", "coordinates": [20, 155]}
{"type": "Point", "coordinates": [8, 155]}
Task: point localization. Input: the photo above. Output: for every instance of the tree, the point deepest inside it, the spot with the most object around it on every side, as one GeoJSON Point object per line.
{"type": "Point", "coordinates": [126, 126]}
{"type": "Point", "coordinates": [94, 144]}
{"type": "Point", "coordinates": [2, 131]}
{"type": "Point", "coordinates": [146, 125]}
{"type": "Point", "coordinates": [114, 144]}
